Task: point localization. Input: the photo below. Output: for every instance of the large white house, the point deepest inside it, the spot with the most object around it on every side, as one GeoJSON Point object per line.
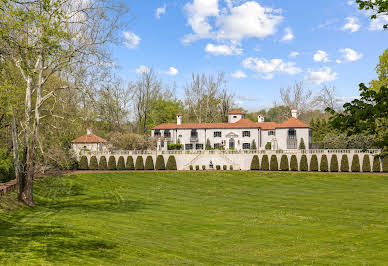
{"type": "Point", "coordinates": [238, 134]}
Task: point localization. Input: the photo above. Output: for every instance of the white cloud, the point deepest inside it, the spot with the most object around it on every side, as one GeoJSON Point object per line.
{"type": "Point", "coordinates": [378, 23]}
{"type": "Point", "coordinates": [288, 36]}
{"type": "Point", "coordinates": [142, 69]}
{"type": "Point", "coordinates": [267, 68]}
{"type": "Point", "coordinates": [350, 2]}
{"type": "Point", "coordinates": [324, 74]}
{"type": "Point", "coordinates": [131, 40]}
{"type": "Point", "coordinates": [321, 56]}
{"type": "Point", "coordinates": [346, 99]}
{"type": "Point", "coordinates": [239, 74]}
{"type": "Point", "coordinates": [293, 54]}
{"type": "Point", "coordinates": [338, 61]}
{"type": "Point", "coordinates": [160, 11]}
{"type": "Point", "coordinates": [222, 49]}
{"type": "Point", "coordinates": [172, 71]}
{"type": "Point", "coordinates": [350, 55]}
{"type": "Point", "coordinates": [351, 25]}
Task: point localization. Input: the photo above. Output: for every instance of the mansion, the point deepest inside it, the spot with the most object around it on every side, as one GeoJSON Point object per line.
{"type": "Point", "coordinates": [238, 134]}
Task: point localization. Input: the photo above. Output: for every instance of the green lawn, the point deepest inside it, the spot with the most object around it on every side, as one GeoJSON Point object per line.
{"type": "Point", "coordinates": [200, 218]}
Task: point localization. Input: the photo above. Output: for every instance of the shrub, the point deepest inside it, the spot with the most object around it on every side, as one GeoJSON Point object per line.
{"type": "Point", "coordinates": [255, 163]}
{"type": "Point", "coordinates": [355, 163]}
{"type": "Point", "coordinates": [191, 168]}
{"type": "Point", "coordinates": [366, 163]}
{"type": "Point", "coordinates": [171, 163]}
{"type": "Point", "coordinates": [385, 164]}
{"type": "Point", "coordinates": [268, 146]}
{"type": "Point", "coordinates": [376, 164]}
{"type": "Point", "coordinates": [121, 163]}
{"type": "Point", "coordinates": [334, 163]}
{"type": "Point", "coordinates": [324, 166]}
{"type": "Point", "coordinates": [149, 164]}
{"type": "Point", "coordinates": [102, 165]}
{"type": "Point", "coordinates": [83, 163]}
{"type": "Point", "coordinates": [197, 167]}
{"type": "Point", "coordinates": [284, 163]}
{"type": "Point", "coordinates": [93, 163]}
{"type": "Point", "coordinates": [253, 145]}
{"type": "Point", "coordinates": [231, 167]}
{"type": "Point", "coordinates": [129, 164]}
{"type": "Point", "coordinates": [314, 163]}
{"type": "Point", "coordinates": [208, 146]}
{"type": "Point", "coordinates": [274, 163]}
{"type": "Point", "coordinates": [294, 163]}
{"type": "Point", "coordinates": [203, 167]}
{"type": "Point", "coordinates": [7, 171]}
{"type": "Point", "coordinates": [218, 167]}
{"type": "Point", "coordinates": [139, 165]}
{"type": "Point", "coordinates": [112, 163]}
{"type": "Point", "coordinates": [224, 167]}
{"type": "Point", "coordinates": [303, 163]}
{"type": "Point", "coordinates": [160, 163]}
{"type": "Point", "coordinates": [344, 163]}
{"type": "Point", "coordinates": [173, 146]}
{"type": "Point", "coordinates": [265, 163]}
{"type": "Point", "coordinates": [302, 146]}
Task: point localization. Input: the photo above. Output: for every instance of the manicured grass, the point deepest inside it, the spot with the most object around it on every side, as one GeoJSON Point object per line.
{"type": "Point", "coordinates": [226, 217]}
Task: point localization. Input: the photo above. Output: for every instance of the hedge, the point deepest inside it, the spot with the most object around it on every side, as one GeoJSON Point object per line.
{"type": "Point", "coordinates": [303, 163]}
{"type": "Point", "coordinates": [284, 163]}
{"type": "Point", "coordinates": [355, 163]}
{"type": "Point", "coordinates": [121, 163]}
{"type": "Point", "coordinates": [376, 164]}
{"type": "Point", "coordinates": [218, 167]}
{"type": "Point", "coordinates": [83, 163]}
{"type": "Point", "coordinates": [102, 165]}
{"type": "Point", "coordinates": [93, 163]}
{"type": "Point", "coordinates": [224, 167]}
{"type": "Point", "coordinates": [203, 167]}
{"type": "Point", "coordinates": [385, 164]}
{"type": "Point", "coordinates": [293, 163]}
{"type": "Point", "coordinates": [268, 146]}
{"type": "Point", "coordinates": [274, 163]}
{"type": "Point", "coordinates": [231, 167]}
{"type": "Point", "coordinates": [159, 165]}
{"type": "Point", "coordinates": [314, 163]}
{"type": "Point", "coordinates": [344, 163]}
{"type": "Point", "coordinates": [197, 167]}
{"type": "Point", "coordinates": [324, 166]}
{"type": "Point", "coordinates": [139, 163]}
{"type": "Point", "coordinates": [112, 163]}
{"type": "Point", "coordinates": [366, 163]}
{"type": "Point", "coordinates": [171, 163]}
{"type": "Point", "coordinates": [255, 163]}
{"type": "Point", "coordinates": [265, 163]}
{"type": "Point", "coordinates": [334, 163]}
{"type": "Point", "coordinates": [191, 168]}
{"type": "Point", "coordinates": [149, 164]}
{"type": "Point", "coordinates": [129, 165]}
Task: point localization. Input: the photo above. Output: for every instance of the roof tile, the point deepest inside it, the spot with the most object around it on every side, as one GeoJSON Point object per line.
{"type": "Point", "coordinates": [89, 138]}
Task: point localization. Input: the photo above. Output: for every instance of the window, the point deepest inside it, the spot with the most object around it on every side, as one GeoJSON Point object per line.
{"type": "Point", "coordinates": [246, 146]}
{"type": "Point", "coordinates": [199, 146]}
{"type": "Point", "coordinates": [167, 134]}
{"type": "Point", "coordinates": [235, 116]}
{"type": "Point", "coordinates": [292, 133]}
{"type": "Point", "coordinates": [157, 132]}
{"type": "Point", "coordinates": [180, 136]}
{"type": "Point", "coordinates": [216, 146]}
{"type": "Point", "coordinates": [188, 146]}
{"type": "Point", "coordinates": [246, 134]}
{"type": "Point", "coordinates": [194, 133]}
{"type": "Point", "coordinates": [272, 133]}
{"type": "Point", "coordinates": [217, 134]}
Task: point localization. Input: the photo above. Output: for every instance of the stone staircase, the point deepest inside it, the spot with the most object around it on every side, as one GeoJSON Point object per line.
{"type": "Point", "coordinates": [217, 159]}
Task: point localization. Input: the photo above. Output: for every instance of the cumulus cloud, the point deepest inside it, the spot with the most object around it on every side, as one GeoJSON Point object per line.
{"type": "Point", "coordinates": [239, 74]}
{"type": "Point", "coordinates": [160, 11]}
{"type": "Point", "coordinates": [378, 23]}
{"type": "Point", "coordinates": [293, 54]}
{"type": "Point", "coordinates": [131, 39]}
{"type": "Point", "coordinates": [288, 36]}
{"type": "Point", "coordinates": [172, 71]}
{"type": "Point", "coordinates": [321, 56]}
{"type": "Point", "coordinates": [142, 69]}
{"type": "Point", "coordinates": [350, 55]}
{"type": "Point", "coordinates": [322, 75]}
{"type": "Point", "coordinates": [222, 49]}
{"type": "Point", "coordinates": [351, 25]}
{"type": "Point", "coordinates": [338, 61]}
{"type": "Point", "coordinates": [266, 68]}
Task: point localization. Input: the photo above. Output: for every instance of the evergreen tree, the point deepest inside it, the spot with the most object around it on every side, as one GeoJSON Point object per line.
{"type": "Point", "coordinates": [255, 163]}
{"type": "Point", "coordinates": [376, 164]}
{"type": "Point", "coordinates": [253, 145]}
{"type": "Point", "coordinates": [121, 163]}
{"type": "Point", "coordinates": [385, 164]}
{"type": "Point", "coordinates": [274, 163]}
{"type": "Point", "coordinates": [344, 163]}
{"type": "Point", "coordinates": [112, 163]}
{"type": "Point", "coordinates": [294, 163]}
{"type": "Point", "coordinates": [334, 163]}
{"type": "Point", "coordinates": [314, 163]}
{"type": "Point", "coordinates": [171, 163]}
{"type": "Point", "coordinates": [265, 163]}
{"type": "Point", "coordinates": [149, 164]}
{"type": "Point", "coordinates": [160, 163]}
{"type": "Point", "coordinates": [302, 146]}
{"type": "Point", "coordinates": [366, 163]}
{"type": "Point", "coordinates": [324, 167]}
{"type": "Point", "coordinates": [284, 163]}
{"type": "Point", "coordinates": [303, 163]}
{"type": "Point", "coordinates": [83, 163]}
{"type": "Point", "coordinates": [208, 146]}
{"type": "Point", "coordinates": [93, 163]}
{"type": "Point", "coordinates": [355, 163]}
{"type": "Point", "coordinates": [102, 165]}
{"type": "Point", "coordinates": [139, 165]}
{"type": "Point", "coordinates": [129, 164]}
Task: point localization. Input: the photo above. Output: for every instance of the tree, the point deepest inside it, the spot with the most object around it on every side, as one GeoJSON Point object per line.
{"type": "Point", "coordinates": [253, 145]}
{"type": "Point", "coordinates": [314, 163]}
{"type": "Point", "coordinates": [93, 163]}
{"type": "Point", "coordinates": [83, 163]}
{"type": "Point", "coordinates": [294, 163]}
{"type": "Point", "coordinates": [255, 163]}
{"type": "Point", "coordinates": [344, 163]}
{"type": "Point", "coordinates": [265, 163]}
{"type": "Point", "coordinates": [129, 165]}
{"type": "Point", "coordinates": [376, 164]}
{"type": "Point", "coordinates": [385, 164]}
{"type": "Point", "coordinates": [297, 96]}
{"type": "Point", "coordinates": [112, 163]}
{"type": "Point", "coordinates": [121, 163]}
{"type": "Point", "coordinates": [355, 163]}
{"type": "Point", "coordinates": [171, 163]}
{"type": "Point", "coordinates": [302, 146]}
{"type": "Point", "coordinates": [366, 163]}
{"type": "Point", "coordinates": [274, 163]}
{"type": "Point", "coordinates": [379, 8]}
{"type": "Point", "coordinates": [382, 73]}
{"type": "Point", "coordinates": [102, 165]}
{"type": "Point", "coordinates": [149, 164]}
{"type": "Point", "coordinates": [284, 163]}
{"type": "Point", "coordinates": [324, 166]}
{"type": "Point", "coordinates": [334, 163]}
{"type": "Point", "coordinates": [268, 146]}
{"type": "Point", "coordinates": [208, 146]}
{"type": "Point", "coordinates": [159, 165]}
{"type": "Point", "coordinates": [139, 163]}
{"type": "Point", "coordinates": [303, 163]}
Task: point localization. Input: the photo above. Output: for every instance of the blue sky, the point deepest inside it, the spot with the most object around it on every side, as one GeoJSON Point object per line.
{"type": "Point", "coordinates": [261, 46]}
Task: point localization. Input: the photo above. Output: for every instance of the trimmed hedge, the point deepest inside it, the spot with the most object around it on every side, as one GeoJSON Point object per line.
{"type": "Point", "coordinates": [129, 165]}
{"type": "Point", "coordinates": [274, 163]}
{"type": "Point", "coordinates": [83, 163]}
{"type": "Point", "coordinates": [366, 163]}
{"type": "Point", "coordinates": [324, 166]}
{"type": "Point", "coordinates": [197, 167]}
{"type": "Point", "coordinates": [149, 164]}
{"type": "Point", "coordinates": [159, 165]}
{"type": "Point", "coordinates": [171, 163]}
{"type": "Point", "coordinates": [121, 163]}
{"type": "Point", "coordinates": [224, 167]}
{"type": "Point", "coordinates": [355, 163]}
{"type": "Point", "coordinates": [293, 163]}
{"type": "Point", "coordinates": [191, 168]}
{"type": "Point", "coordinates": [385, 164]}
{"type": "Point", "coordinates": [231, 167]}
{"type": "Point", "coordinates": [284, 163]}
{"type": "Point", "coordinates": [93, 163]}
{"type": "Point", "coordinates": [303, 163]}
{"type": "Point", "coordinates": [218, 167]}
{"type": "Point", "coordinates": [139, 165]}
{"type": "Point", "coordinates": [264, 163]}
{"type": "Point", "coordinates": [255, 163]}
{"type": "Point", "coordinates": [376, 164]}
{"type": "Point", "coordinates": [102, 165]}
{"type": "Point", "coordinates": [112, 163]}
{"type": "Point", "coordinates": [203, 167]}
{"type": "Point", "coordinates": [314, 163]}
{"type": "Point", "coordinates": [344, 163]}
{"type": "Point", "coordinates": [334, 163]}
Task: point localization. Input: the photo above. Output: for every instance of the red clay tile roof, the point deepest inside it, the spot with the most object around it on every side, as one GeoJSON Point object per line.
{"type": "Point", "coordinates": [236, 112]}
{"type": "Point", "coordinates": [89, 138]}
{"type": "Point", "coordinates": [179, 114]}
{"type": "Point", "coordinates": [293, 122]}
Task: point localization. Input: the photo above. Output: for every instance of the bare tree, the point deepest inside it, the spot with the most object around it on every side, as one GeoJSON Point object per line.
{"type": "Point", "coordinates": [297, 96]}
{"type": "Point", "coordinates": [327, 98]}
{"type": "Point", "coordinates": [226, 103]}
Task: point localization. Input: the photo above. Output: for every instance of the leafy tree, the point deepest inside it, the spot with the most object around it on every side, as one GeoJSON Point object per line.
{"type": "Point", "coordinates": [171, 163]}
{"type": "Point", "coordinates": [83, 163]}
{"type": "Point", "coordinates": [93, 163]}
{"type": "Point", "coordinates": [376, 164]}
{"type": "Point", "coordinates": [149, 164]}
{"type": "Point", "coordinates": [303, 163]}
{"type": "Point", "coordinates": [379, 8]}
{"type": "Point", "coordinates": [268, 146]}
{"type": "Point", "coordinates": [121, 163]}
{"type": "Point", "coordinates": [253, 145]}
{"type": "Point", "coordinates": [274, 163]}
{"type": "Point", "coordinates": [255, 163]}
{"type": "Point", "coordinates": [265, 163]}
{"type": "Point", "coordinates": [112, 163]}
{"type": "Point", "coordinates": [314, 163]}
{"type": "Point", "coordinates": [208, 146]}
{"type": "Point", "coordinates": [382, 73]}
{"type": "Point", "coordinates": [366, 163]}
{"type": "Point", "coordinates": [334, 163]}
{"type": "Point", "coordinates": [324, 167]}
{"type": "Point", "coordinates": [302, 146]}
{"type": "Point", "coordinates": [294, 163]}
{"type": "Point", "coordinates": [159, 165]}
{"type": "Point", "coordinates": [139, 163]}
{"type": "Point", "coordinates": [129, 165]}
{"type": "Point", "coordinates": [102, 165]}
{"type": "Point", "coordinates": [344, 163]}
{"type": "Point", "coordinates": [284, 163]}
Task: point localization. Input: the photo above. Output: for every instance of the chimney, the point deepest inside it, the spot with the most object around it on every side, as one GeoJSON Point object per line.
{"type": "Point", "coordinates": [260, 118]}
{"type": "Point", "coordinates": [89, 131]}
{"type": "Point", "coordinates": [294, 112]}
{"type": "Point", "coordinates": [179, 119]}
